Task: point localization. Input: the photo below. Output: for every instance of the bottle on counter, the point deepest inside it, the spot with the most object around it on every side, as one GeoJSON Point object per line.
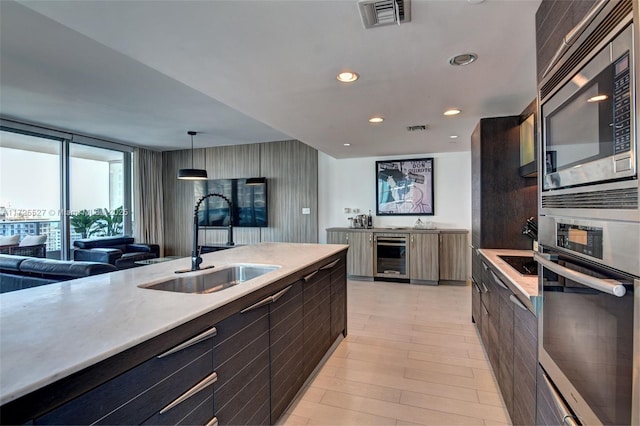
{"type": "Point", "coordinates": [369, 220]}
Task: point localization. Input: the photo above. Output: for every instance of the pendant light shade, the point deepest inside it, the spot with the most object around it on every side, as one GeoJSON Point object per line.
{"type": "Point", "coordinates": [192, 174]}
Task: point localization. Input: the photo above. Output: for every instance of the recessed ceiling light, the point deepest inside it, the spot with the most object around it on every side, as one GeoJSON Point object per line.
{"type": "Point", "coordinates": [453, 137]}
{"type": "Point", "coordinates": [376, 120]}
{"type": "Point", "coordinates": [452, 111]}
{"type": "Point", "coordinates": [346, 144]}
{"type": "Point", "coordinates": [347, 77]}
{"type": "Point", "coordinates": [463, 59]}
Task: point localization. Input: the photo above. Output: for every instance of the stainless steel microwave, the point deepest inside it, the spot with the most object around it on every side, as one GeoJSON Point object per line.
{"type": "Point", "coordinates": [588, 125]}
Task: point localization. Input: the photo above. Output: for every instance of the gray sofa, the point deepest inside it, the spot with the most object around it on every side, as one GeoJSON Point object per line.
{"type": "Point", "coordinates": [20, 272]}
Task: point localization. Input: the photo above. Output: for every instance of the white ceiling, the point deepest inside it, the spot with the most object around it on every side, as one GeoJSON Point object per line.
{"type": "Point", "coordinates": [145, 72]}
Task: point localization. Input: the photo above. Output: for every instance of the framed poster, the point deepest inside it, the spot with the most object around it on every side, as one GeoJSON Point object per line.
{"type": "Point", "coordinates": [404, 187]}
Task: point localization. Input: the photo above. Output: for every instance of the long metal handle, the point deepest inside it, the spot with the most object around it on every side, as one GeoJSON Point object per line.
{"type": "Point", "coordinates": [391, 244]}
{"type": "Point", "coordinates": [267, 300]}
{"type": "Point", "coordinates": [572, 35]}
{"type": "Point", "coordinates": [517, 302]}
{"type": "Point", "coordinates": [197, 339]}
{"type": "Point", "coordinates": [567, 417]}
{"type": "Point", "coordinates": [256, 305]}
{"type": "Point", "coordinates": [308, 277]}
{"type": "Point", "coordinates": [204, 383]}
{"type": "Point", "coordinates": [484, 286]}
{"type": "Point", "coordinates": [281, 293]}
{"type": "Point", "coordinates": [212, 422]}
{"type": "Point", "coordinates": [477, 287]}
{"type": "Point", "coordinates": [330, 265]}
{"type": "Point", "coordinates": [498, 280]}
{"type": "Point", "coordinates": [609, 286]}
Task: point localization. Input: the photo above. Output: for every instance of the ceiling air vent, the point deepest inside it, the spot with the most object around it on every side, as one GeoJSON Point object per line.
{"type": "Point", "coordinates": [418, 128]}
{"type": "Point", "coordinates": [377, 13]}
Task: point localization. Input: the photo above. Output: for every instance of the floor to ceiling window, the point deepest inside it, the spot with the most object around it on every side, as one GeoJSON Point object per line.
{"type": "Point", "coordinates": [62, 189]}
{"type": "Point", "coordinates": [30, 184]}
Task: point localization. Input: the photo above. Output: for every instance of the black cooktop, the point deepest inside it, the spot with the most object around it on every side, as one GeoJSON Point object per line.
{"type": "Point", "coordinates": [525, 265]}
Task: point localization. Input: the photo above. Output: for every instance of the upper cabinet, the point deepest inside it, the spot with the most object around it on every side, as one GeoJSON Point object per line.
{"type": "Point", "coordinates": [554, 19]}
{"type": "Point", "coordinates": [528, 145]}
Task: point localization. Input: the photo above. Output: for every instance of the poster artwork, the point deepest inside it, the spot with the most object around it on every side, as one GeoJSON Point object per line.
{"type": "Point", "coordinates": [405, 187]}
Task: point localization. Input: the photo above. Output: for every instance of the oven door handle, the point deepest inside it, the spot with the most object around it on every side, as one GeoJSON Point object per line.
{"type": "Point", "coordinates": [391, 244]}
{"type": "Point", "coordinates": [612, 287]}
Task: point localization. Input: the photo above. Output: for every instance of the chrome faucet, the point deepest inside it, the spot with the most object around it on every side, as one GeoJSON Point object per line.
{"type": "Point", "coordinates": [196, 260]}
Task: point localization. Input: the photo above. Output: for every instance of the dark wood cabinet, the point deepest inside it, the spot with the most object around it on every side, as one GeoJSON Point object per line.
{"type": "Point", "coordinates": [242, 363]}
{"type": "Point", "coordinates": [510, 340]}
{"type": "Point", "coordinates": [338, 300]}
{"type": "Point", "coordinates": [141, 393]}
{"type": "Point", "coordinates": [287, 359]}
{"type": "Point", "coordinates": [554, 19]}
{"type": "Point", "coordinates": [241, 354]}
{"type": "Point", "coordinates": [317, 318]}
{"type": "Point", "coordinates": [501, 200]}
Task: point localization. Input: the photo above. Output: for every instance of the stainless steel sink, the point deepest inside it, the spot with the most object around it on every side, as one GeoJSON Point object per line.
{"type": "Point", "coordinates": [212, 280]}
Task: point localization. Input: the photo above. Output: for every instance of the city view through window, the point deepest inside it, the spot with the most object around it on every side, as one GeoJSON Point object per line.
{"type": "Point", "coordinates": [31, 185]}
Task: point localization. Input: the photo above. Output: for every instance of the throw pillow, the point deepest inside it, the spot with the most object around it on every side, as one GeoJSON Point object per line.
{"type": "Point", "coordinates": [33, 240]}
{"type": "Point", "coordinates": [10, 240]}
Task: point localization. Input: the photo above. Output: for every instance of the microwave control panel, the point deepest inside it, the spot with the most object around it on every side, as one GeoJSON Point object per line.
{"type": "Point", "coordinates": [622, 105]}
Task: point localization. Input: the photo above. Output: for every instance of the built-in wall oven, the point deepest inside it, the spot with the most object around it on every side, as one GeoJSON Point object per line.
{"type": "Point", "coordinates": [589, 222]}
{"type": "Point", "coordinates": [391, 257]}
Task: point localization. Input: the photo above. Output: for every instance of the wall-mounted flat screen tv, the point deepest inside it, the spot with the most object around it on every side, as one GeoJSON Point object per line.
{"type": "Point", "coordinates": [249, 202]}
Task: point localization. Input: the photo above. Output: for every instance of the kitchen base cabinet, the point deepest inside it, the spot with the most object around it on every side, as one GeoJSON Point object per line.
{"type": "Point", "coordinates": [338, 301]}
{"type": "Point", "coordinates": [317, 318]}
{"type": "Point", "coordinates": [453, 256]}
{"type": "Point", "coordinates": [360, 254]}
{"type": "Point", "coordinates": [508, 330]}
{"type": "Point", "coordinates": [142, 392]}
{"type": "Point", "coordinates": [287, 360]}
{"type": "Point", "coordinates": [242, 363]}
{"type": "Point", "coordinates": [423, 258]}
{"type": "Point", "coordinates": [241, 353]}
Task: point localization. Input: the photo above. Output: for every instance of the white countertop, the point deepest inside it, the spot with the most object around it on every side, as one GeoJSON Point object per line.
{"type": "Point", "coordinates": [527, 284]}
{"type": "Point", "coordinates": [52, 331]}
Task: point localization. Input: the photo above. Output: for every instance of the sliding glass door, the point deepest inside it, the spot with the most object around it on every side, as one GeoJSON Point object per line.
{"type": "Point", "coordinates": [61, 190]}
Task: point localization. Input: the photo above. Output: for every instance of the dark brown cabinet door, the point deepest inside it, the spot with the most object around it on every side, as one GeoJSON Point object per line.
{"type": "Point", "coordinates": [317, 318]}
{"type": "Point", "coordinates": [139, 394]}
{"type": "Point", "coordinates": [338, 300]}
{"type": "Point", "coordinates": [287, 360]}
{"type": "Point", "coordinates": [241, 358]}
{"type": "Point", "coordinates": [525, 361]}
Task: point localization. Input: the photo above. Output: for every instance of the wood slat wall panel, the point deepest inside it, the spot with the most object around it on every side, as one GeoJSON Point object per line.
{"type": "Point", "coordinates": [291, 169]}
{"type": "Point", "coordinates": [178, 201]}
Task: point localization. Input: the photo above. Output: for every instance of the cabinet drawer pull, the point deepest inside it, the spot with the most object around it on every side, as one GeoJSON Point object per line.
{"type": "Point", "coordinates": [197, 339]}
{"type": "Point", "coordinates": [484, 286]}
{"type": "Point", "coordinates": [204, 383]}
{"type": "Point", "coordinates": [212, 422]}
{"type": "Point", "coordinates": [266, 300]}
{"type": "Point", "coordinates": [330, 265]}
{"type": "Point", "coordinates": [484, 266]}
{"type": "Point", "coordinates": [477, 287]}
{"type": "Point", "coordinates": [308, 277]}
{"type": "Point", "coordinates": [263, 302]}
{"type": "Point", "coordinates": [498, 280]}
{"type": "Point", "coordinates": [281, 293]}
{"type": "Point", "coordinates": [517, 302]}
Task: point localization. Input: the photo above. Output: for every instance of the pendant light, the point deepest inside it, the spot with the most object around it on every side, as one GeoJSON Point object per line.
{"type": "Point", "coordinates": [192, 174]}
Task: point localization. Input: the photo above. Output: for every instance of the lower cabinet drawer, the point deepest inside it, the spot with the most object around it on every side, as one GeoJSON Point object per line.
{"type": "Point", "coordinates": [140, 393]}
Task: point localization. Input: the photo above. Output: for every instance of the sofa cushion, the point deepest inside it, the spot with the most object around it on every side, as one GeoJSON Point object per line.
{"type": "Point", "coordinates": [90, 243]}
{"type": "Point", "coordinates": [10, 240]}
{"type": "Point", "coordinates": [11, 263]}
{"type": "Point", "coordinates": [64, 268]}
{"type": "Point", "coordinates": [33, 240]}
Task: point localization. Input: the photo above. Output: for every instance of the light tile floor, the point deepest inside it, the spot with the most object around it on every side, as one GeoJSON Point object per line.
{"type": "Point", "coordinates": [412, 356]}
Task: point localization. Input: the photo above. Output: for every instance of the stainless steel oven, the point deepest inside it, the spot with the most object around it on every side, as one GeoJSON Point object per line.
{"type": "Point", "coordinates": [588, 338]}
{"type": "Point", "coordinates": [391, 257]}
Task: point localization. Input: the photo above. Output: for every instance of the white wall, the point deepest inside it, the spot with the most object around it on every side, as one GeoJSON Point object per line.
{"type": "Point", "coordinates": [352, 183]}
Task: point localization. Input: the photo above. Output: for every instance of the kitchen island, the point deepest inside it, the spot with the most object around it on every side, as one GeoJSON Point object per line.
{"type": "Point", "coordinates": [61, 342]}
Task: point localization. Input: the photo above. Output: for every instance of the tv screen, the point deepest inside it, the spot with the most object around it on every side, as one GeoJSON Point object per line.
{"type": "Point", "coordinates": [249, 203]}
